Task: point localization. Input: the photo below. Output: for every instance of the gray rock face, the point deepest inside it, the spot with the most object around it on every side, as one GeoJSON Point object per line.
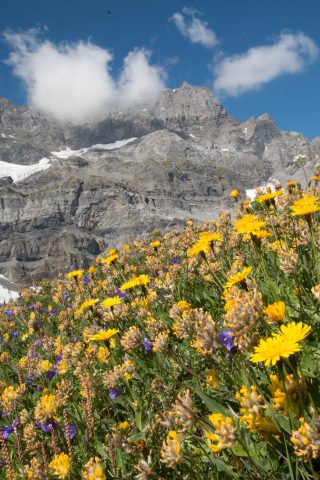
{"type": "Point", "coordinates": [188, 155]}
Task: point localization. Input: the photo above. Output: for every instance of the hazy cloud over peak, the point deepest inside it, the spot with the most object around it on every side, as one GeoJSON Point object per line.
{"type": "Point", "coordinates": [73, 81]}
{"type": "Point", "coordinates": [192, 27]}
{"type": "Point", "coordinates": [291, 53]}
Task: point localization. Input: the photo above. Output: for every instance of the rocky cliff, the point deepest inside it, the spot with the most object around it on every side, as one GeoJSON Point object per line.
{"type": "Point", "coordinates": [183, 156]}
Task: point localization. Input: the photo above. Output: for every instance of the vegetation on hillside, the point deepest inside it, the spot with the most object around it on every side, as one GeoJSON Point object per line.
{"type": "Point", "coordinates": [194, 354]}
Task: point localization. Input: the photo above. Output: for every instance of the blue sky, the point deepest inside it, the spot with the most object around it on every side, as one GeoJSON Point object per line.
{"type": "Point", "coordinates": [277, 69]}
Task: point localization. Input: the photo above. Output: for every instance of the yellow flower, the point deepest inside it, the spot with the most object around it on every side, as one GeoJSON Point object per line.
{"type": "Point", "coordinates": [141, 281]}
{"type": "Point", "coordinates": [203, 245]}
{"type": "Point", "coordinates": [111, 302]}
{"type": "Point", "coordinates": [155, 244]}
{"type": "Point", "coordinates": [45, 366]}
{"type": "Point", "coordinates": [124, 426]}
{"type": "Point", "coordinates": [103, 354]}
{"type": "Point", "coordinates": [171, 450]}
{"type": "Point", "coordinates": [249, 224]}
{"type": "Point", "coordinates": [275, 311]}
{"type": "Point", "coordinates": [60, 465]}
{"type": "Point", "coordinates": [47, 406]}
{"type": "Point", "coordinates": [294, 332]}
{"type": "Point", "coordinates": [225, 432]}
{"type": "Point", "coordinates": [212, 378]}
{"type": "Point", "coordinates": [234, 194]}
{"type": "Point", "coordinates": [93, 470]}
{"type": "Point", "coordinates": [75, 273]}
{"type": "Point", "coordinates": [266, 197]}
{"type": "Point", "coordinates": [109, 259]}
{"type": "Point", "coordinates": [273, 348]}
{"type": "Point", "coordinates": [305, 206]}
{"type": "Point", "coordinates": [210, 237]}
{"type": "Point", "coordinates": [104, 334]}
{"type": "Point", "coordinates": [238, 277]}
{"type": "Point", "coordinates": [88, 303]}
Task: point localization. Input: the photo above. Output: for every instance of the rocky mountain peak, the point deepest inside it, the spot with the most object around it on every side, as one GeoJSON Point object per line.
{"type": "Point", "coordinates": [187, 106]}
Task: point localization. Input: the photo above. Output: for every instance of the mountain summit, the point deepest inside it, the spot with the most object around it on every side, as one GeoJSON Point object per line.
{"type": "Point", "coordinates": [65, 190]}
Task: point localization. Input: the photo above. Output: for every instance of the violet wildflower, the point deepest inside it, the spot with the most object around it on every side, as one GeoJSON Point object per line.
{"type": "Point", "coordinates": [49, 425]}
{"type": "Point", "coordinates": [73, 430]}
{"type": "Point", "coordinates": [6, 431]}
{"type": "Point", "coordinates": [175, 260]}
{"type": "Point", "coordinates": [227, 340]}
{"type": "Point", "coordinates": [147, 345]}
{"type": "Point", "coordinates": [114, 393]}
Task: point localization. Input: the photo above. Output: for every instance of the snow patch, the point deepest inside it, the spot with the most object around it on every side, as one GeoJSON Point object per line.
{"type": "Point", "coordinates": [20, 172]}
{"type": "Point", "coordinates": [225, 150]}
{"type": "Point", "coordinates": [245, 130]}
{"type": "Point", "coordinates": [7, 136]}
{"type": "Point", "coordinates": [98, 146]}
{"type": "Point", "coordinates": [191, 135]}
{"type": "Point", "coordinates": [5, 293]}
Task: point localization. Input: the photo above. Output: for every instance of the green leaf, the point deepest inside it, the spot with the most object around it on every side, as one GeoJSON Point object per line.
{"type": "Point", "coordinates": [239, 451]}
{"type": "Point", "coordinates": [210, 402]}
{"type": "Point", "coordinates": [284, 423]}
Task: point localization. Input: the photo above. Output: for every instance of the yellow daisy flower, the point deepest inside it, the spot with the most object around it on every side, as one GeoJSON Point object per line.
{"type": "Point", "coordinates": [249, 224]}
{"type": "Point", "coordinates": [104, 334]}
{"type": "Point", "coordinates": [75, 273]}
{"type": "Point", "coordinates": [111, 302]}
{"type": "Point", "coordinates": [266, 197]}
{"type": "Point", "coordinates": [238, 277]}
{"type": "Point", "coordinates": [88, 303]}
{"type": "Point", "coordinates": [305, 206]}
{"type": "Point", "coordinates": [275, 311]}
{"type": "Point", "coordinates": [141, 281]}
{"type": "Point", "coordinates": [273, 348]}
{"type": "Point", "coordinates": [294, 332]}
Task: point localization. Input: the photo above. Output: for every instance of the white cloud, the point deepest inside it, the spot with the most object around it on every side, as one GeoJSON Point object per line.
{"type": "Point", "coordinates": [291, 53]}
{"type": "Point", "coordinates": [139, 81]}
{"type": "Point", "coordinates": [73, 82]}
{"type": "Point", "coordinates": [195, 29]}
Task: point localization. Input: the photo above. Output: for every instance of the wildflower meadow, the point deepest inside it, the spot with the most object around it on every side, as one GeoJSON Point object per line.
{"type": "Point", "coordinates": [191, 355]}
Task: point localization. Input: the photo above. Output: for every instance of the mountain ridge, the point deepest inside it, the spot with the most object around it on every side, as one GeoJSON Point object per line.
{"type": "Point", "coordinates": [188, 154]}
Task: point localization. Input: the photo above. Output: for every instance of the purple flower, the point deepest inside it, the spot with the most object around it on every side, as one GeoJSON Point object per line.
{"type": "Point", "coordinates": [14, 335]}
{"type": "Point", "coordinates": [227, 340]}
{"type": "Point", "coordinates": [51, 373]}
{"type": "Point", "coordinates": [40, 388]}
{"type": "Point", "coordinates": [66, 296]}
{"type": "Point", "coordinates": [73, 340]}
{"type": "Point", "coordinates": [73, 430]}
{"type": "Point", "coordinates": [52, 311]}
{"type": "Point", "coordinates": [49, 425]}
{"type": "Point", "coordinates": [6, 431]}
{"type": "Point", "coordinates": [114, 393]}
{"type": "Point", "coordinates": [10, 312]}
{"type": "Point", "coordinates": [147, 344]}
{"type": "Point", "coordinates": [85, 280]}
{"type": "Point", "coordinates": [32, 308]}
{"type": "Point", "coordinates": [120, 294]}
{"type": "Point", "coordinates": [175, 260]}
